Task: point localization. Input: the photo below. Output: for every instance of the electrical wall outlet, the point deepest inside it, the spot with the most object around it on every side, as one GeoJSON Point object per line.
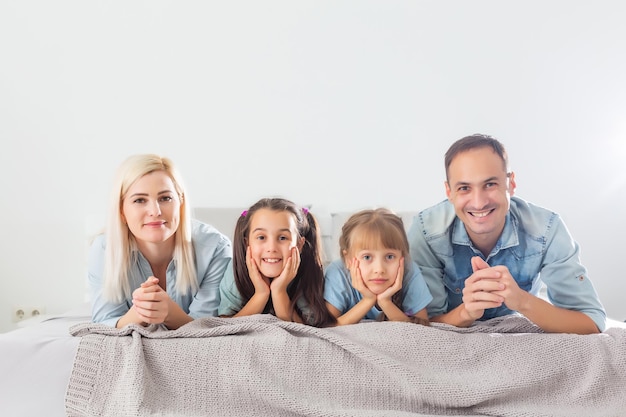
{"type": "Point", "coordinates": [26, 312]}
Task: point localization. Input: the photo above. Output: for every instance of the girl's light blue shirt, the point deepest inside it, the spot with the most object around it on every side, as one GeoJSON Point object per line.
{"type": "Point", "coordinates": [339, 292]}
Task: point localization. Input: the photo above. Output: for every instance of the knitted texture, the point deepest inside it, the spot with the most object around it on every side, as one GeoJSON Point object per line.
{"type": "Point", "coordinates": [261, 366]}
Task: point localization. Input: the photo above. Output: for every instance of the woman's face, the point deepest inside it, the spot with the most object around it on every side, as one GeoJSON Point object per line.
{"type": "Point", "coordinates": [271, 237]}
{"type": "Point", "coordinates": [151, 208]}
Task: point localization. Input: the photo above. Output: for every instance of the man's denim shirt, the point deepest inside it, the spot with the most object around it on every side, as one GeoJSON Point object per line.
{"type": "Point", "coordinates": [535, 246]}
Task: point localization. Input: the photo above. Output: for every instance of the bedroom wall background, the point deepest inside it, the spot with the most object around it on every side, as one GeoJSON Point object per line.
{"type": "Point", "coordinates": [340, 104]}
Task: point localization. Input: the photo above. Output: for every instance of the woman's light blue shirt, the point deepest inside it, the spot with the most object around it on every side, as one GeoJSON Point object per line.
{"type": "Point", "coordinates": [212, 251]}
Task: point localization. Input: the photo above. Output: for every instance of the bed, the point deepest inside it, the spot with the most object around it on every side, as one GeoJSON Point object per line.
{"type": "Point", "coordinates": [258, 365]}
{"type": "Point", "coordinates": [262, 366]}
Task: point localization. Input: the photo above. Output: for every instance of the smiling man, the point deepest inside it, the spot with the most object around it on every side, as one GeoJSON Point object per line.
{"type": "Point", "coordinates": [485, 253]}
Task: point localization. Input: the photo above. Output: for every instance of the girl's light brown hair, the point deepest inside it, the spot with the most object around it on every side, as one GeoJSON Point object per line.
{"type": "Point", "coordinates": [376, 229]}
{"type": "Point", "coordinates": [371, 229]}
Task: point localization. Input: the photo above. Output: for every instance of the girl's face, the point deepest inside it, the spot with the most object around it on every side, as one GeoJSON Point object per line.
{"type": "Point", "coordinates": [151, 208]}
{"type": "Point", "coordinates": [379, 267]}
{"type": "Point", "coordinates": [271, 237]}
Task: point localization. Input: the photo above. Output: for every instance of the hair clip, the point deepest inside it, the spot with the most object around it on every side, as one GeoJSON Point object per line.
{"type": "Point", "coordinates": [305, 210]}
{"type": "Point", "coordinates": [244, 213]}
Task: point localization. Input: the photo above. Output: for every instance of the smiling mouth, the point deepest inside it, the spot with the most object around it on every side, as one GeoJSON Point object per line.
{"type": "Point", "coordinates": [271, 260]}
{"type": "Point", "coordinates": [480, 214]}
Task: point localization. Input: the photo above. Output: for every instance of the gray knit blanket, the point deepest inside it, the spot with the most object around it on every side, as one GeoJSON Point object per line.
{"type": "Point", "coordinates": [261, 366]}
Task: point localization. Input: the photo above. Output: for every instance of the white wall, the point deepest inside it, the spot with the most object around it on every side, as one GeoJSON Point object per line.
{"type": "Point", "coordinates": [339, 104]}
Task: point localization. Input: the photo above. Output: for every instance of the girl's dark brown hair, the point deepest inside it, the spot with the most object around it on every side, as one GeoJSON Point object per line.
{"type": "Point", "coordinates": [309, 280]}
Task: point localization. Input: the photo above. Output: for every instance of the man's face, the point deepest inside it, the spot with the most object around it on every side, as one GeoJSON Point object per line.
{"type": "Point", "coordinates": [480, 189]}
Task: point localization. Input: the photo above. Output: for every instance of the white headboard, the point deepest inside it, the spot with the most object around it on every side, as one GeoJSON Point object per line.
{"type": "Point", "coordinates": [223, 219]}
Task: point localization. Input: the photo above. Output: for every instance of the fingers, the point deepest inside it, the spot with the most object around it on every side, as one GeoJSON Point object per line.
{"type": "Point", "coordinates": [483, 284]}
{"type": "Point", "coordinates": [477, 297]}
{"type": "Point", "coordinates": [289, 272]}
{"type": "Point", "coordinates": [357, 280]}
{"type": "Point", "coordinates": [478, 289]}
{"type": "Point", "coordinates": [514, 297]}
{"type": "Point", "coordinates": [475, 303]}
{"type": "Point", "coordinates": [292, 264]}
{"type": "Point", "coordinates": [397, 284]}
{"type": "Point", "coordinates": [151, 306]}
{"type": "Point", "coordinates": [252, 267]}
{"type": "Point", "coordinates": [152, 314]}
{"type": "Point", "coordinates": [479, 292]}
{"type": "Point", "coordinates": [399, 275]}
{"type": "Point", "coordinates": [148, 290]}
{"type": "Point", "coordinates": [153, 293]}
{"type": "Point", "coordinates": [150, 281]}
{"type": "Point", "coordinates": [295, 257]}
{"type": "Point", "coordinates": [478, 263]}
{"type": "Point", "coordinates": [260, 283]}
{"type": "Point", "coordinates": [490, 287]}
{"type": "Point", "coordinates": [355, 273]}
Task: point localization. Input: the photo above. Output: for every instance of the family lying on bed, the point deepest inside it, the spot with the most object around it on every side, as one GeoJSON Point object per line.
{"type": "Point", "coordinates": [480, 254]}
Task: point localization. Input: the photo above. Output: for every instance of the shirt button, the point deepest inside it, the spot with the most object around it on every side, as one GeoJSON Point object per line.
{"type": "Point", "coordinates": [458, 291]}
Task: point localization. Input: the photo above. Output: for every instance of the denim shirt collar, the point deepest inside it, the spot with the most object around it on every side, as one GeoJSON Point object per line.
{"type": "Point", "coordinates": [509, 237]}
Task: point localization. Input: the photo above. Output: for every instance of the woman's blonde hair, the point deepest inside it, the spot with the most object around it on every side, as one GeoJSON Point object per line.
{"type": "Point", "coordinates": [121, 246]}
{"type": "Point", "coordinates": [372, 228]}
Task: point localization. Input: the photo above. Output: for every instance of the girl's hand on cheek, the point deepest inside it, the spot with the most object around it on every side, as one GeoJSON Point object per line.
{"type": "Point", "coordinates": [261, 284]}
{"type": "Point", "coordinates": [289, 272]}
{"type": "Point", "coordinates": [357, 281]}
{"type": "Point", "coordinates": [397, 284]}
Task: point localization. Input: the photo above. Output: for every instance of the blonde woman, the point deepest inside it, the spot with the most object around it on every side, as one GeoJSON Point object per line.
{"type": "Point", "coordinates": [154, 264]}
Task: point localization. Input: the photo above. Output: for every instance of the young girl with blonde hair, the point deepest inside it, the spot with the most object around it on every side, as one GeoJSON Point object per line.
{"type": "Point", "coordinates": [375, 279]}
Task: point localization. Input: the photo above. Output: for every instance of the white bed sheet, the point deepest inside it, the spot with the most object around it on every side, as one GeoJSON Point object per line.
{"type": "Point", "coordinates": [36, 363]}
